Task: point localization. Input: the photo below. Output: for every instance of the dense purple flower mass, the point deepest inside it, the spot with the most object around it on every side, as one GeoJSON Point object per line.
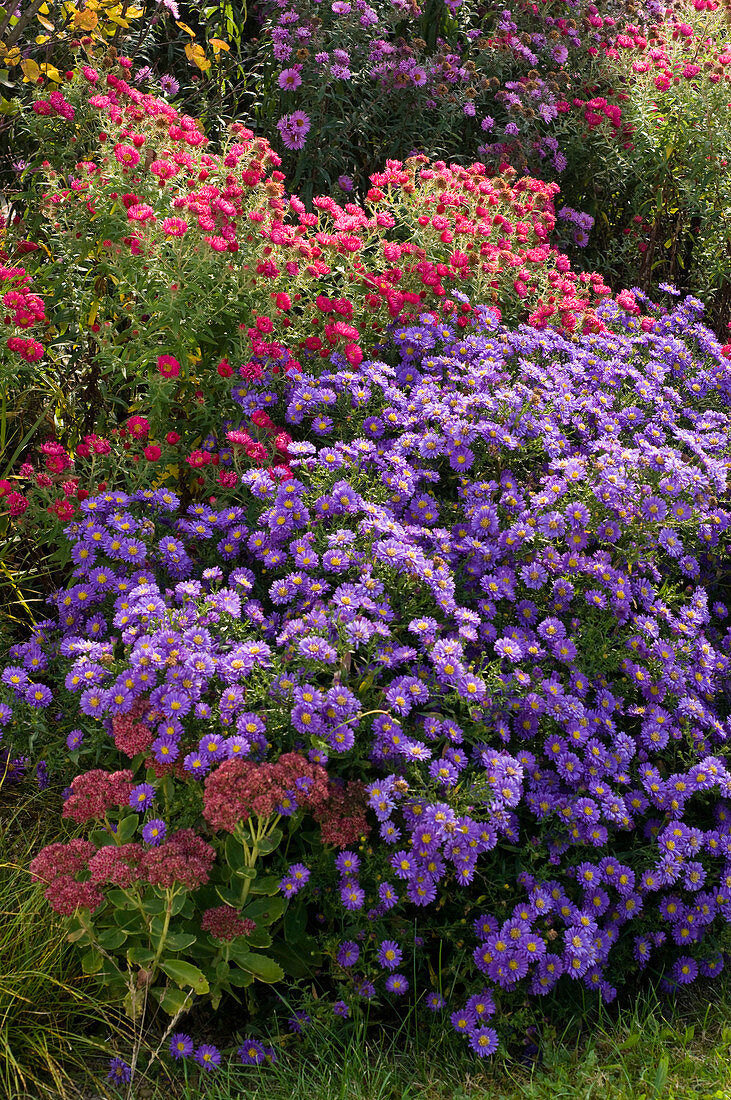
{"type": "Point", "coordinates": [495, 595]}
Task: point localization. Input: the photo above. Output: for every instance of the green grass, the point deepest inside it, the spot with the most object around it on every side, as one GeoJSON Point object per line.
{"type": "Point", "coordinates": [649, 1050]}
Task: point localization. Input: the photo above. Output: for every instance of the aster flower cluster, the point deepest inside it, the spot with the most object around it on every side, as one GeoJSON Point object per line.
{"type": "Point", "coordinates": [480, 614]}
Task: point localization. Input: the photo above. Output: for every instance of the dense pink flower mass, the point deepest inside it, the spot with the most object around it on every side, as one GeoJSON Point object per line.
{"type": "Point", "coordinates": [95, 792]}
{"type": "Point", "coordinates": [61, 859]}
{"type": "Point", "coordinates": [185, 859]}
{"type": "Point", "coordinates": [118, 866]}
{"type": "Point", "coordinates": [240, 789]}
{"type": "Point", "coordinates": [225, 923]}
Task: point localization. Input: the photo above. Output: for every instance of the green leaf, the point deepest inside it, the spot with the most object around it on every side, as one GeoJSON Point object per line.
{"type": "Point", "coordinates": [79, 936]}
{"type": "Point", "coordinates": [126, 828]}
{"type": "Point", "coordinates": [119, 900]}
{"type": "Point", "coordinates": [268, 885]}
{"type": "Point", "coordinates": [270, 842]}
{"type": "Point", "coordinates": [91, 961]}
{"type": "Point", "coordinates": [139, 955]}
{"type": "Point", "coordinates": [178, 941]}
{"type": "Point", "coordinates": [234, 854]}
{"type": "Point", "coordinates": [101, 838]}
{"type": "Point", "coordinates": [130, 921]}
{"type": "Point", "coordinates": [259, 938]}
{"type": "Point", "coordinates": [112, 938]}
{"type": "Point", "coordinates": [295, 922]}
{"type": "Point", "coordinates": [265, 910]}
{"type": "Point", "coordinates": [154, 905]}
{"type": "Point", "coordinates": [262, 967]}
{"type": "Point", "coordinates": [185, 974]}
{"type": "Point", "coordinates": [246, 872]}
{"type": "Point", "coordinates": [240, 978]}
{"type": "Point", "coordinates": [182, 904]}
{"type": "Point", "coordinates": [661, 1076]}
{"type": "Point", "coordinates": [230, 896]}
{"type": "Point", "coordinates": [171, 1000]}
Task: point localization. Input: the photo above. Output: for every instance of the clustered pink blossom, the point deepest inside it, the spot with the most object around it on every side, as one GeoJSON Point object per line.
{"type": "Point", "coordinates": [57, 865]}
{"type": "Point", "coordinates": [95, 792]}
{"type": "Point", "coordinates": [117, 866]}
{"type": "Point", "coordinates": [61, 859]}
{"type": "Point", "coordinates": [131, 736]}
{"type": "Point", "coordinates": [225, 923]}
{"type": "Point", "coordinates": [342, 818]}
{"type": "Point", "coordinates": [239, 789]}
{"type": "Point", "coordinates": [183, 860]}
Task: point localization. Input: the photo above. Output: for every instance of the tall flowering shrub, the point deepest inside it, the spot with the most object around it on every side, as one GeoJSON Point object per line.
{"type": "Point", "coordinates": [159, 269]}
{"type": "Point", "coordinates": [664, 189]}
{"type": "Point", "coordinates": [449, 79]}
{"type": "Point", "coordinates": [483, 613]}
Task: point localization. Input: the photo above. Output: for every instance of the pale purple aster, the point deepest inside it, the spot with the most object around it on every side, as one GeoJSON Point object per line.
{"type": "Point", "coordinates": [389, 954]}
{"type": "Point", "coordinates": [289, 79]}
{"type": "Point", "coordinates": [348, 953]}
{"type": "Point", "coordinates": [169, 85]}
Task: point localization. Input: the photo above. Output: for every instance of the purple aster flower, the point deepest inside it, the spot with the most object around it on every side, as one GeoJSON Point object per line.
{"type": "Point", "coordinates": [347, 863]}
{"type": "Point", "coordinates": [387, 895]}
{"type": "Point", "coordinates": [208, 1056]}
{"type": "Point", "coordinates": [289, 79]}
{"type": "Point", "coordinates": [213, 745]}
{"type": "Point", "coordinates": [348, 954]}
{"type": "Point", "coordinates": [252, 1052]}
{"type": "Point", "coordinates": [389, 954]}
{"type": "Point", "coordinates": [685, 970]}
{"type": "Point", "coordinates": [154, 832]}
{"type": "Point", "coordinates": [298, 1022]}
{"type": "Point", "coordinates": [169, 85]}
{"type": "Point", "coordinates": [352, 896]}
{"type": "Point", "coordinates": [165, 748]}
{"type": "Point", "coordinates": [341, 1009]}
{"type": "Point", "coordinates": [197, 764]}
{"type": "Point", "coordinates": [397, 983]}
{"type": "Point", "coordinates": [141, 797]}
{"type": "Point", "coordinates": [181, 1045]}
{"type": "Point", "coordinates": [119, 1071]}
{"type": "Point", "coordinates": [75, 740]}
{"type": "Point", "coordinates": [483, 1041]}
{"type": "Point", "coordinates": [38, 695]}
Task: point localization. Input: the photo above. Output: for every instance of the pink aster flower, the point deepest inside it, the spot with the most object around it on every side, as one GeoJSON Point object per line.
{"type": "Point", "coordinates": [174, 227]}
{"type": "Point", "coordinates": [127, 155]}
{"type": "Point", "coordinates": [168, 366]}
{"type": "Point", "coordinates": [289, 79]}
